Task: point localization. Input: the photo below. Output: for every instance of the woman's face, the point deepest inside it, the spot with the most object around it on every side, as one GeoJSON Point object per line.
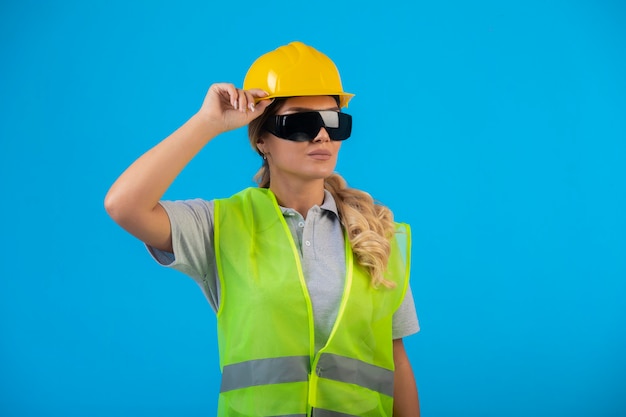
{"type": "Point", "coordinates": [302, 161]}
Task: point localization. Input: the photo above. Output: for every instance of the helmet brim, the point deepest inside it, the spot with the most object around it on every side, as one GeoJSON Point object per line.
{"type": "Point", "coordinates": [344, 97]}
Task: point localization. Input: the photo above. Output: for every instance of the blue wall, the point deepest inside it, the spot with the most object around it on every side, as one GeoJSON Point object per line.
{"type": "Point", "coordinates": [497, 129]}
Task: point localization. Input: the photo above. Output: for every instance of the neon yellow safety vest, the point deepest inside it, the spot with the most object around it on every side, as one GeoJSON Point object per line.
{"type": "Point", "coordinates": [265, 322]}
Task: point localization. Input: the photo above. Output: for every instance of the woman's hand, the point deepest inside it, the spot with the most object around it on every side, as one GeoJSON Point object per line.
{"type": "Point", "coordinates": [226, 107]}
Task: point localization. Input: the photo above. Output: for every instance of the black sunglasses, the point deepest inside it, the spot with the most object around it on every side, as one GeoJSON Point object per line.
{"type": "Point", "coordinates": [303, 127]}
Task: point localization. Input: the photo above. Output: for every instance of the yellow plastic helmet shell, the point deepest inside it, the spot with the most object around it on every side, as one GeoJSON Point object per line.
{"type": "Point", "coordinates": [295, 70]}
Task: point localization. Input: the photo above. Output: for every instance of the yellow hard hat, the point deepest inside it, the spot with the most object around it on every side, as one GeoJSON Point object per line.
{"type": "Point", "coordinates": [296, 70]}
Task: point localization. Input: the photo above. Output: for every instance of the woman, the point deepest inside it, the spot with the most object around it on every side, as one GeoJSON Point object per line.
{"type": "Point", "coordinates": [308, 278]}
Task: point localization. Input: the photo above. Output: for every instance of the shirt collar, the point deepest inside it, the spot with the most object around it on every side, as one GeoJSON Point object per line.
{"type": "Point", "coordinates": [328, 205]}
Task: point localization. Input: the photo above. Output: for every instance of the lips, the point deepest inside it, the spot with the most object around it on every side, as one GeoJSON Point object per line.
{"type": "Point", "coordinates": [320, 152]}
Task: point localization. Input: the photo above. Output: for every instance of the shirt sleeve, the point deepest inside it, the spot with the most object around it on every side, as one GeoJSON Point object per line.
{"type": "Point", "coordinates": [404, 321]}
{"type": "Point", "coordinates": [191, 222]}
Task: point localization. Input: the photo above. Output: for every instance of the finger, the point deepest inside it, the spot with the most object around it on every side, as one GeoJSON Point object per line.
{"type": "Point", "coordinates": [226, 92]}
{"type": "Point", "coordinates": [238, 101]}
{"type": "Point", "coordinates": [243, 101]}
{"type": "Point", "coordinates": [259, 109]}
{"type": "Point", "coordinates": [249, 100]}
{"type": "Point", "coordinates": [258, 94]}
{"type": "Point", "coordinates": [233, 94]}
{"type": "Point", "coordinates": [260, 106]}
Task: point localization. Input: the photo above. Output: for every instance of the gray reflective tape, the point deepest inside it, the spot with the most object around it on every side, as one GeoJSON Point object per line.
{"type": "Point", "coordinates": [265, 372]}
{"type": "Point", "coordinates": [318, 412]}
{"type": "Point", "coordinates": [354, 371]}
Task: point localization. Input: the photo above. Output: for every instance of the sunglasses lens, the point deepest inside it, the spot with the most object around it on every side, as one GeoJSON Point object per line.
{"type": "Point", "coordinates": [303, 127]}
{"type": "Point", "coordinates": [339, 126]}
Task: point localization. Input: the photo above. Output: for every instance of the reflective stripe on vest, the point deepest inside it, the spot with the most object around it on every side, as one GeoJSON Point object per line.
{"type": "Point", "coordinates": [265, 371]}
{"type": "Point", "coordinates": [318, 412]}
{"type": "Point", "coordinates": [354, 371]}
{"type": "Point", "coordinates": [295, 369]}
{"type": "Point", "coordinates": [265, 322]}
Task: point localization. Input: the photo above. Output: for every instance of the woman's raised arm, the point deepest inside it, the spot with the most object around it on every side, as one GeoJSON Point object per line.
{"type": "Point", "coordinates": [133, 200]}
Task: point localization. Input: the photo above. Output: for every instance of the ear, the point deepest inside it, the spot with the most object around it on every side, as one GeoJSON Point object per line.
{"type": "Point", "coordinates": [260, 145]}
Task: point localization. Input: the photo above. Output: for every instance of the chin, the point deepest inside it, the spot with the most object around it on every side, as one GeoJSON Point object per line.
{"type": "Point", "coordinates": [322, 174]}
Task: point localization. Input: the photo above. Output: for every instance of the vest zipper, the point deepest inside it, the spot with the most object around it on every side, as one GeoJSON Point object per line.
{"type": "Point", "coordinates": [342, 307]}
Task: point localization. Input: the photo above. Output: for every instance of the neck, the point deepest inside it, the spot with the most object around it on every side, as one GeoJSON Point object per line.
{"type": "Point", "coordinates": [300, 197]}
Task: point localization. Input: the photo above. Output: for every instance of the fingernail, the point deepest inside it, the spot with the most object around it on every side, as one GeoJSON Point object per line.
{"type": "Point", "coordinates": [235, 104]}
{"type": "Point", "coordinates": [251, 105]}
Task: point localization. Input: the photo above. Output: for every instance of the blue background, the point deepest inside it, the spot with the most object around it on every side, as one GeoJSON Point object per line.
{"type": "Point", "coordinates": [497, 129]}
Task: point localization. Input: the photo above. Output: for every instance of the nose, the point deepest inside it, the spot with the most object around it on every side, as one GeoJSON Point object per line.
{"type": "Point", "coordinates": [322, 136]}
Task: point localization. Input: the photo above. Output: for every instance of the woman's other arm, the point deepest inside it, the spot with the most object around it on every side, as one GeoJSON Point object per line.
{"type": "Point", "coordinates": [405, 398]}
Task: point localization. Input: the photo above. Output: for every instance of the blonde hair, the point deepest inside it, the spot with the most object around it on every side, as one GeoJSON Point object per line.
{"type": "Point", "coordinates": [369, 225]}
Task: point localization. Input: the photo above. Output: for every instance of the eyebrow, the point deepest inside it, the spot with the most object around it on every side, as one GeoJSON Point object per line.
{"type": "Point", "coordinates": [303, 109]}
